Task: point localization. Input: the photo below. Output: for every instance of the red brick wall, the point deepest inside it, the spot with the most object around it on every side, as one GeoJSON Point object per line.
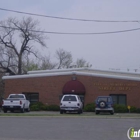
{"type": "Point", "coordinates": [49, 88]}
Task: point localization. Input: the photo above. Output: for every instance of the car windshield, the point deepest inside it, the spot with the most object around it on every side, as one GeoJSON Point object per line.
{"type": "Point", "coordinates": [16, 96]}
{"type": "Point", "coordinates": [69, 98]}
{"type": "Point", "coordinates": [106, 99]}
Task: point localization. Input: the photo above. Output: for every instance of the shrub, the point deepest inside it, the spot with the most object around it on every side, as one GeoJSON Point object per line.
{"type": "Point", "coordinates": [133, 109]}
{"type": "Point", "coordinates": [124, 109]}
{"type": "Point", "coordinates": [37, 106]}
{"type": "Point", "coordinates": [138, 110]}
{"type": "Point", "coordinates": [90, 107]}
{"type": "Point", "coordinates": [40, 106]}
{"type": "Point", "coordinates": [52, 108]}
{"type": "Point", "coordinates": [120, 108]}
{"type": "Point", "coordinates": [34, 108]}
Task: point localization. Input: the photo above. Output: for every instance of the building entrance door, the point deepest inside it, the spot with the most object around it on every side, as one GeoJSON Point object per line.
{"type": "Point", "coordinates": [75, 87]}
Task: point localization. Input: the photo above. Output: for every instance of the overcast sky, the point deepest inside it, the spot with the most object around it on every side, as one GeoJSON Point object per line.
{"type": "Point", "coordinates": [118, 51]}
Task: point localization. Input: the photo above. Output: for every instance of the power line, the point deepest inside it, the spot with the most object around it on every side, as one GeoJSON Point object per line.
{"type": "Point", "coordinates": [74, 33]}
{"type": "Point", "coordinates": [65, 18]}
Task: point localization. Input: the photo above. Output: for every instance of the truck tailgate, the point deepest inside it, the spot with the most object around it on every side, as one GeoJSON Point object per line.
{"type": "Point", "coordinates": [10, 102]}
{"type": "Point", "coordinates": [69, 104]}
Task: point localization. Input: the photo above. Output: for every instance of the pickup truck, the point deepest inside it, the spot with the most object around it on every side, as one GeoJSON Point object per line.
{"type": "Point", "coordinates": [16, 102]}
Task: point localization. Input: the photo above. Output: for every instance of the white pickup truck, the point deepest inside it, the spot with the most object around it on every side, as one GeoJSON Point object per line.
{"type": "Point", "coordinates": [71, 103]}
{"type": "Point", "coordinates": [16, 102]}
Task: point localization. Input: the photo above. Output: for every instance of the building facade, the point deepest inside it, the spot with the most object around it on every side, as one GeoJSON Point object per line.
{"type": "Point", "coordinates": [48, 86]}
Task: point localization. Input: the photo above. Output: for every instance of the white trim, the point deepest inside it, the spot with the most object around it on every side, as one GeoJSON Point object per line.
{"type": "Point", "coordinates": [85, 69]}
{"type": "Point", "coordinates": [36, 75]}
{"type": "Point", "coordinates": [71, 73]}
{"type": "Point", "coordinates": [110, 76]}
{"type": "Point", "coordinates": [56, 70]}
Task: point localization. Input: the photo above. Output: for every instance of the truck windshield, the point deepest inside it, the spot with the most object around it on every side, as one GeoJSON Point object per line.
{"type": "Point", "coordinates": [16, 96]}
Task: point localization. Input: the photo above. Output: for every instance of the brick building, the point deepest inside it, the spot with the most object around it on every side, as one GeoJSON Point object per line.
{"type": "Point", "coordinates": [3, 72]}
{"type": "Point", "coordinates": [48, 86]}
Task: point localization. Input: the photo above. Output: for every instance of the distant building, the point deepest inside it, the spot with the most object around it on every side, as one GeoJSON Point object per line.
{"type": "Point", "coordinates": [48, 86]}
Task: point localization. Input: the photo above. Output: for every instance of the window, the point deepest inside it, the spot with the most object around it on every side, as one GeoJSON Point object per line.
{"type": "Point", "coordinates": [106, 99]}
{"type": "Point", "coordinates": [119, 98]}
{"type": "Point", "coordinates": [69, 98]}
{"type": "Point", "coordinates": [16, 96]}
{"type": "Point", "coordinates": [32, 97]}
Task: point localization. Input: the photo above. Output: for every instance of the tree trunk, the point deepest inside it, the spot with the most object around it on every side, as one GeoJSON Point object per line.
{"type": "Point", "coordinates": [20, 65]}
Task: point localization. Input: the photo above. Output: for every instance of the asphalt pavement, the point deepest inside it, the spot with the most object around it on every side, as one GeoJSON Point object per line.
{"type": "Point", "coordinates": [69, 127]}
{"type": "Point", "coordinates": [84, 114]}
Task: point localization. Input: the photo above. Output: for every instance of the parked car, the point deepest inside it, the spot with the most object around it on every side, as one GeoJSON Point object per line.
{"type": "Point", "coordinates": [104, 104]}
{"type": "Point", "coordinates": [71, 103]}
{"type": "Point", "coordinates": [16, 102]}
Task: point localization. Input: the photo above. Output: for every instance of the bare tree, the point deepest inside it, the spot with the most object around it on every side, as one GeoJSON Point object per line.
{"type": "Point", "coordinates": [30, 65]}
{"type": "Point", "coordinates": [47, 63]}
{"type": "Point", "coordinates": [64, 58]}
{"type": "Point", "coordinates": [16, 41]}
{"type": "Point", "coordinates": [82, 63]}
{"type": "Point", "coordinates": [43, 63]}
{"type": "Point", "coordinates": [7, 59]}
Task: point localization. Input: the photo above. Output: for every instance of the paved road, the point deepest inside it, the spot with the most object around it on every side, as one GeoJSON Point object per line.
{"type": "Point", "coordinates": [65, 128]}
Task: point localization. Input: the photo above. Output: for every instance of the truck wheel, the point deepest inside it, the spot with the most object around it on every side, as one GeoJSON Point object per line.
{"type": "Point", "coordinates": [102, 104]}
{"type": "Point", "coordinates": [97, 112]}
{"type": "Point", "coordinates": [12, 111]}
{"type": "Point", "coordinates": [79, 111]}
{"type": "Point", "coordinates": [28, 109]}
{"type": "Point", "coordinates": [111, 112]}
{"type": "Point", "coordinates": [22, 110]}
{"type": "Point", "coordinates": [61, 111]}
{"type": "Point", "coordinates": [5, 110]}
